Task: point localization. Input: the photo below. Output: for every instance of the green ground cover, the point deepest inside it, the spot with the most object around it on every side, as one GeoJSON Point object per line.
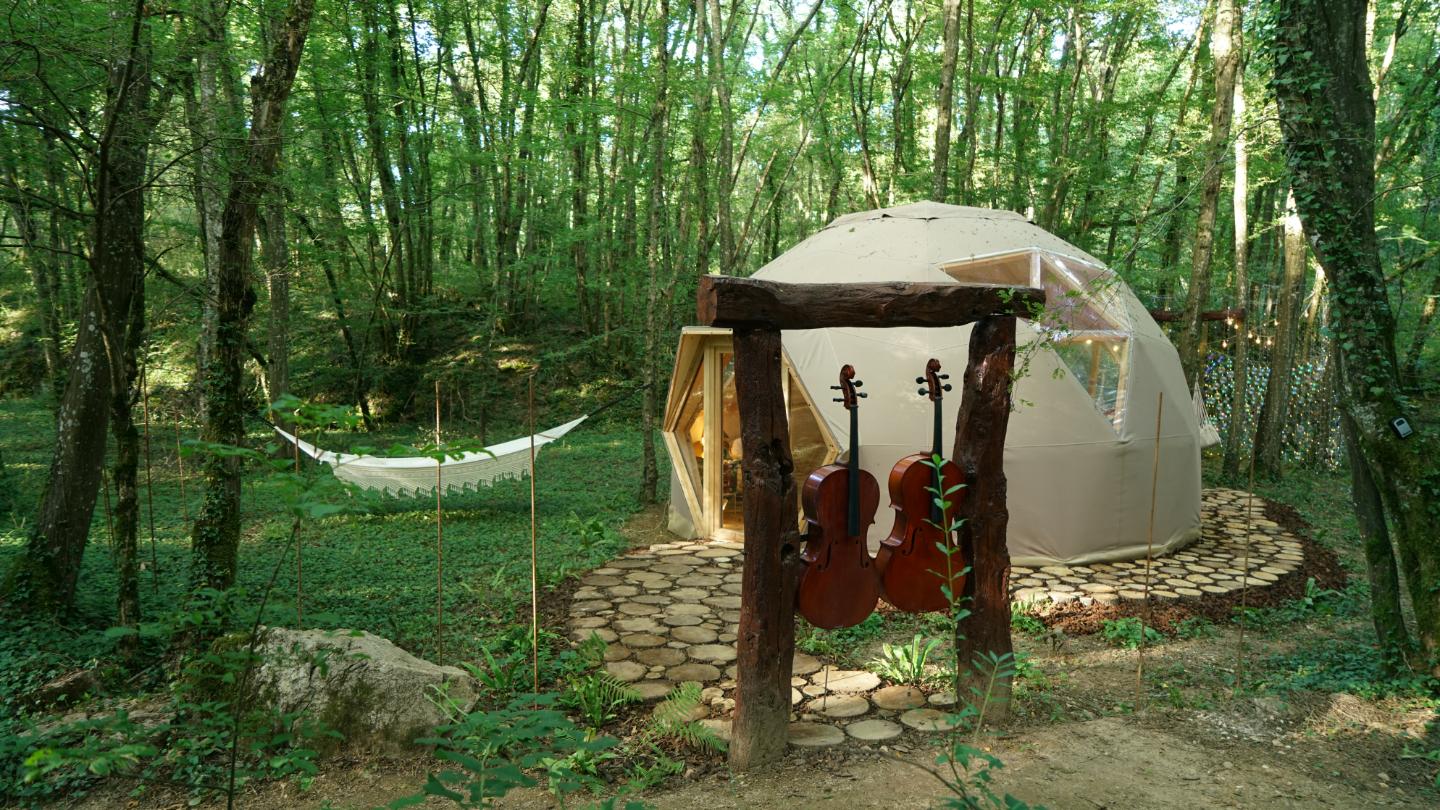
{"type": "Point", "coordinates": [373, 570]}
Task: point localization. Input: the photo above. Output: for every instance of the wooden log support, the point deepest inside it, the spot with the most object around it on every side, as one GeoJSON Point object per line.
{"type": "Point", "coordinates": [1168, 316]}
{"type": "Point", "coordinates": [767, 588]}
{"type": "Point", "coordinates": [742, 302]}
{"type": "Point", "coordinates": [758, 311]}
{"type": "Point", "coordinates": [979, 451]}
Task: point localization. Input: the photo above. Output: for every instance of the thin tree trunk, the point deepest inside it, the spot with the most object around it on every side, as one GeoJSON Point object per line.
{"type": "Point", "coordinates": [945, 109]}
{"type": "Point", "coordinates": [275, 256]}
{"type": "Point", "coordinates": [1274, 413]}
{"type": "Point", "coordinates": [1240, 360]}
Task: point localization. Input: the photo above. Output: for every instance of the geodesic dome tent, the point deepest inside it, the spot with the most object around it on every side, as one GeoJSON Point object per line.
{"type": "Point", "coordinates": [1081, 442]}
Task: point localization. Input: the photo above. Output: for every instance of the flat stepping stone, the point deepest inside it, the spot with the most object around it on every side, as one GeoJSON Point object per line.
{"type": "Point", "coordinates": [716, 553]}
{"type": "Point", "coordinates": [688, 594]}
{"type": "Point", "coordinates": [693, 635]}
{"type": "Point", "coordinates": [795, 696]}
{"type": "Point", "coordinates": [616, 652]}
{"type": "Point", "coordinates": [929, 720]}
{"type": "Point", "coordinates": [716, 653]}
{"type": "Point", "coordinates": [815, 735]}
{"type": "Point", "coordinates": [652, 690]}
{"type": "Point", "coordinates": [899, 698]}
{"type": "Point", "coordinates": [600, 580]}
{"type": "Point", "coordinates": [660, 657]}
{"type": "Point", "coordinates": [688, 609]}
{"type": "Point", "coordinates": [638, 609]}
{"type": "Point", "coordinates": [662, 598]}
{"type": "Point", "coordinates": [671, 568]}
{"type": "Point", "coordinates": [874, 730]}
{"type": "Point", "coordinates": [683, 620]}
{"type": "Point", "coordinates": [839, 706]}
{"type": "Point", "coordinates": [626, 671]}
{"type": "Point", "coordinates": [721, 727]}
{"type": "Point", "coordinates": [636, 624]}
{"type": "Point", "coordinates": [724, 602]}
{"type": "Point", "coordinates": [590, 621]}
{"type": "Point", "coordinates": [941, 699]}
{"type": "Point", "coordinates": [693, 672]}
{"type": "Point", "coordinates": [848, 680]}
{"type": "Point", "coordinates": [803, 664]}
{"type": "Point", "coordinates": [623, 591]}
{"type": "Point", "coordinates": [590, 606]}
{"type": "Point", "coordinates": [642, 640]}
{"type": "Point", "coordinates": [606, 634]}
{"type": "Point", "coordinates": [697, 581]}
{"type": "Point", "coordinates": [814, 689]}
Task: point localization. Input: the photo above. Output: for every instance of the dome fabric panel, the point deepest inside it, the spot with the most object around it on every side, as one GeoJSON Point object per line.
{"type": "Point", "coordinates": [1079, 481]}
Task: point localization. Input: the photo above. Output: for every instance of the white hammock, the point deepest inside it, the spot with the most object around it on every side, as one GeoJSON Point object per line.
{"type": "Point", "coordinates": [416, 475]}
{"type": "Point", "coordinates": [1209, 434]}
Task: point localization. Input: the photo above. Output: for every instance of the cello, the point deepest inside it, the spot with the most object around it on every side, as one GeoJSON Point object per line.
{"type": "Point", "coordinates": [838, 587]}
{"type": "Point", "coordinates": [913, 567]}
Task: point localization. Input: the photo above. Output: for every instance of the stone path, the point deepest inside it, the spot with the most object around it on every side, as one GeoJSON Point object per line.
{"type": "Point", "coordinates": [669, 615]}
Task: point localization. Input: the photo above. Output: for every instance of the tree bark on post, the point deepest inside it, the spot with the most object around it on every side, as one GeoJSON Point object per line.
{"type": "Point", "coordinates": [767, 603]}
{"type": "Point", "coordinates": [1270, 427]}
{"type": "Point", "coordinates": [980, 429]}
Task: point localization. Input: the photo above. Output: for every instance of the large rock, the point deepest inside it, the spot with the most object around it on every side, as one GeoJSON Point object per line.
{"type": "Point", "coordinates": [378, 696]}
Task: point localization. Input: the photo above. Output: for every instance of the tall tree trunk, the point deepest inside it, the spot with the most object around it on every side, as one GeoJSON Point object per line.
{"type": "Point", "coordinates": [216, 535]}
{"type": "Point", "coordinates": [1225, 54]}
{"type": "Point", "coordinates": [724, 151]}
{"type": "Point", "coordinates": [1239, 198]}
{"type": "Point", "coordinates": [654, 208]}
{"type": "Point", "coordinates": [945, 109]}
{"type": "Point", "coordinates": [1274, 412]}
{"type": "Point", "coordinates": [1327, 119]}
{"type": "Point", "coordinates": [47, 573]}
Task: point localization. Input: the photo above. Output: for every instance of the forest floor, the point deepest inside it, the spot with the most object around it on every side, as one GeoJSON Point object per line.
{"type": "Point", "coordinates": [1315, 724]}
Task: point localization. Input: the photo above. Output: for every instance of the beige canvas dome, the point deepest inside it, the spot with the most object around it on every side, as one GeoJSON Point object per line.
{"type": "Point", "coordinates": [1081, 441]}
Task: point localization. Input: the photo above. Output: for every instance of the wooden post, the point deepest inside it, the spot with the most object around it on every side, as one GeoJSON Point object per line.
{"type": "Point", "coordinates": [767, 597]}
{"type": "Point", "coordinates": [980, 451]}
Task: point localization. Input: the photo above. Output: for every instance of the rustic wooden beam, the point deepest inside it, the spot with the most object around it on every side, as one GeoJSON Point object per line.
{"type": "Point", "coordinates": [980, 453]}
{"type": "Point", "coordinates": [766, 640]}
{"type": "Point", "coordinates": [1169, 316]}
{"type": "Point", "coordinates": [747, 302]}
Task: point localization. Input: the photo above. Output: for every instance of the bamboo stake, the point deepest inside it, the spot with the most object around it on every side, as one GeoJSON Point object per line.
{"type": "Point", "coordinates": [534, 572]}
{"type": "Point", "coordinates": [1245, 579]}
{"type": "Point", "coordinates": [179, 457]}
{"type": "Point", "coordinates": [299, 548]}
{"type": "Point", "coordinates": [1149, 553]}
{"type": "Point", "coordinates": [149, 483]}
{"type": "Point", "coordinates": [439, 536]}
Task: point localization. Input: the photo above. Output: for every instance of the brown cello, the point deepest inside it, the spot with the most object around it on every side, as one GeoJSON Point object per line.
{"type": "Point", "coordinates": [838, 587]}
{"type": "Point", "coordinates": [913, 566]}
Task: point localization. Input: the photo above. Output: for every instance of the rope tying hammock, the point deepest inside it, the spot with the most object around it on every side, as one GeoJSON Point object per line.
{"type": "Point", "coordinates": [415, 476]}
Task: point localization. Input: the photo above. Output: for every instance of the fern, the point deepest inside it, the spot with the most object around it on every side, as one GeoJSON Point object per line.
{"type": "Point", "coordinates": [672, 720]}
{"type": "Point", "coordinates": [905, 663]}
{"type": "Point", "coordinates": [597, 696]}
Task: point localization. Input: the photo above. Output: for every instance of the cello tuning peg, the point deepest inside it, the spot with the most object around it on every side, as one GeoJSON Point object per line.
{"type": "Point", "coordinates": [920, 380]}
{"type": "Point", "coordinates": [946, 387]}
{"type": "Point", "coordinates": [862, 396]}
{"type": "Point", "coordinates": [838, 399]}
{"type": "Point", "coordinates": [944, 376]}
{"type": "Point", "coordinates": [834, 388]}
{"type": "Point", "coordinates": [857, 383]}
{"type": "Point", "coordinates": [922, 392]}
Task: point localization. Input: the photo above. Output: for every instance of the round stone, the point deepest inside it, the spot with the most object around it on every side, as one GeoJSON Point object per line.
{"type": "Point", "coordinates": [837, 706]}
{"type": "Point", "coordinates": [803, 664]}
{"type": "Point", "coordinates": [899, 698]}
{"type": "Point", "coordinates": [637, 609]}
{"type": "Point", "coordinates": [600, 580]}
{"type": "Point", "coordinates": [847, 680]}
{"type": "Point", "coordinates": [623, 591]}
{"type": "Point", "coordinates": [671, 568]}
{"type": "Point", "coordinates": [654, 599]}
{"type": "Point", "coordinates": [693, 635]}
{"type": "Point", "coordinates": [606, 634]}
{"type": "Point", "coordinates": [682, 621]}
{"type": "Point", "coordinates": [813, 690]}
{"type": "Point", "coordinates": [795, 696]}
{"type": "Point", "coordinates": [942, 699]}
{"type": "Point", "coordinates": [693, 672]}
{"type": "Point", "coordinates": [637, 625]}
{"type": "Point", "coordinates": [661, 657]}
{"type": "Point", "coordinates": [929, 720]}
{"type": "Point", "coordinates": [724, 602]}
{"type": "Point", "coordinates": [697, 581]}
{"type": "Point", "coordinates": [652, 689]}
{"type": "Point", "coordinates": [590, 621]}
{"type": "Point", "coordinates": [715, 653]}
{"type": "Point", "coordinates": [590, 606]}
{"type": "Point", "coordinates": [815, 735]}
{"type": "Point", "coordinates": [689, 594]}
{"type": "Point", "coordinates": [874, 730]}
{"type": "Point", "coordinates": [642, 640]}
{"type": "Point", "coordinates": [719, 726]}
{"type": "Point", "coordinates": [687, 609]}
{"type": "Point", "coordinates": [616, 652]}
{"type": "Point", "coordinates": [626, 671]}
